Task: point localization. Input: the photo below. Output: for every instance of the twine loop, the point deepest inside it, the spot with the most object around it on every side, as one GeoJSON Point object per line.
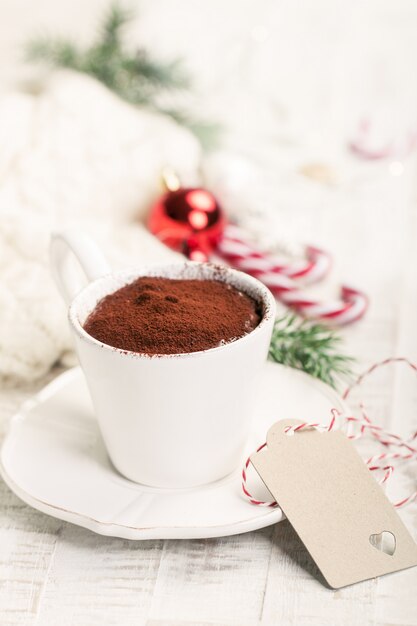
{"type": "Point", "coordinates": [397, 449]}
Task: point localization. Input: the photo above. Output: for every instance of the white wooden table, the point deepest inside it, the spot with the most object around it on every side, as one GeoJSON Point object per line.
{"type": "Point", "coordinates": [52, 572]}
{"type": "Point", "coordinates": [55, 574]}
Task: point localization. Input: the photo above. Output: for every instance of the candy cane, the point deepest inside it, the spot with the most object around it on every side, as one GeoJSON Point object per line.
{"type": "Point", "coordinates": [241, 254]}
{"type": "Point", "coordinates": [239, 251]}
{"type": "Point", "coordinates": [362, 145]}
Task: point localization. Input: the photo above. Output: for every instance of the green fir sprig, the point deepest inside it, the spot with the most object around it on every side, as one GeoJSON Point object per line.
{"type": "Point", "coordinates": [132, 74]}
{"type": "Point", "coordinates": [310, 347]}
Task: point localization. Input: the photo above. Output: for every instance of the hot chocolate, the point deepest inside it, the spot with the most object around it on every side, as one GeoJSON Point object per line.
{"type": "Point", "coordinates": [155, 315]}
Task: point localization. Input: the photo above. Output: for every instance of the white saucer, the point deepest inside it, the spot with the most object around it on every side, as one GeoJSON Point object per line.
{"type": "Point", "coordinates": [53, 458]}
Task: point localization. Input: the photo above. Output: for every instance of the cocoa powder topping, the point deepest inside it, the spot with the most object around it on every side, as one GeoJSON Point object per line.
{"type": "Point", "coordinates": [167, 316]}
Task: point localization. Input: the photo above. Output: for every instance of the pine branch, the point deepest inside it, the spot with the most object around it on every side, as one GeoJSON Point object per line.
{"type": "Point", "coordinates": [310, 347]}
{"type": "Point", "coordinates": [60, 52]}
{"type": "Point", "coordinates": [133, 75]}
{"type": "Point", "coordinates": [112, 25]}
{"type": "Point", "coordinates": [207, 132]}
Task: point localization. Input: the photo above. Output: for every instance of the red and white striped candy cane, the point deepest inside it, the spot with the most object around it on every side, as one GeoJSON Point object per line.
{"type": "Point", "coordinates": [239, 251]}
{"type": "Point", "coordinates": [235, 248]}
{"type": "Point", "coordinates": [367, 147]}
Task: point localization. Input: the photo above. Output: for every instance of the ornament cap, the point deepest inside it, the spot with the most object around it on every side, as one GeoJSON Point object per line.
{"type": "Point", "coordinates": [170, 179]}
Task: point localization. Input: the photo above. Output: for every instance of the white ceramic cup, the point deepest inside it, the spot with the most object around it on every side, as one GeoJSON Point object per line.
{"type": "Point", "coordinates": [171, 421]}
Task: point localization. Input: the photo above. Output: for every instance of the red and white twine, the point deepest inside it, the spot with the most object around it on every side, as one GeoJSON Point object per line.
{"type": "Point", "coordinates": [378, 462]}
{"type": "Point", "coordinates": [281, 278]}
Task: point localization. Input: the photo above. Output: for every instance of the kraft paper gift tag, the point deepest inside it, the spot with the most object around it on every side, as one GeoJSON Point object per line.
{"type": "Point", "coordinates": [334, 504]}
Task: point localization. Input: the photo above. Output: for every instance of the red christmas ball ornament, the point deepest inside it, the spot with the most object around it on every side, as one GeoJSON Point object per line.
{"type": "Point", "coordinates": [191, 221]}
{"type": "Point", "coordinates": [187, 219]}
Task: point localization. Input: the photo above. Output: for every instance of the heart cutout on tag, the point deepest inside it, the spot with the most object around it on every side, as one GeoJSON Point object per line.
{"type": "Point", "coordinates": [384, 542]}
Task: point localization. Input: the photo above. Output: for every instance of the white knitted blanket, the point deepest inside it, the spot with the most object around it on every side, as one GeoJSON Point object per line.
{"type": "Point", "coordinates": [72, 154]}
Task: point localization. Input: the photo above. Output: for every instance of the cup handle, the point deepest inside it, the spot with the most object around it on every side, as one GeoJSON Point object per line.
{"type": "Point", "coordinates": [85, 251]}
